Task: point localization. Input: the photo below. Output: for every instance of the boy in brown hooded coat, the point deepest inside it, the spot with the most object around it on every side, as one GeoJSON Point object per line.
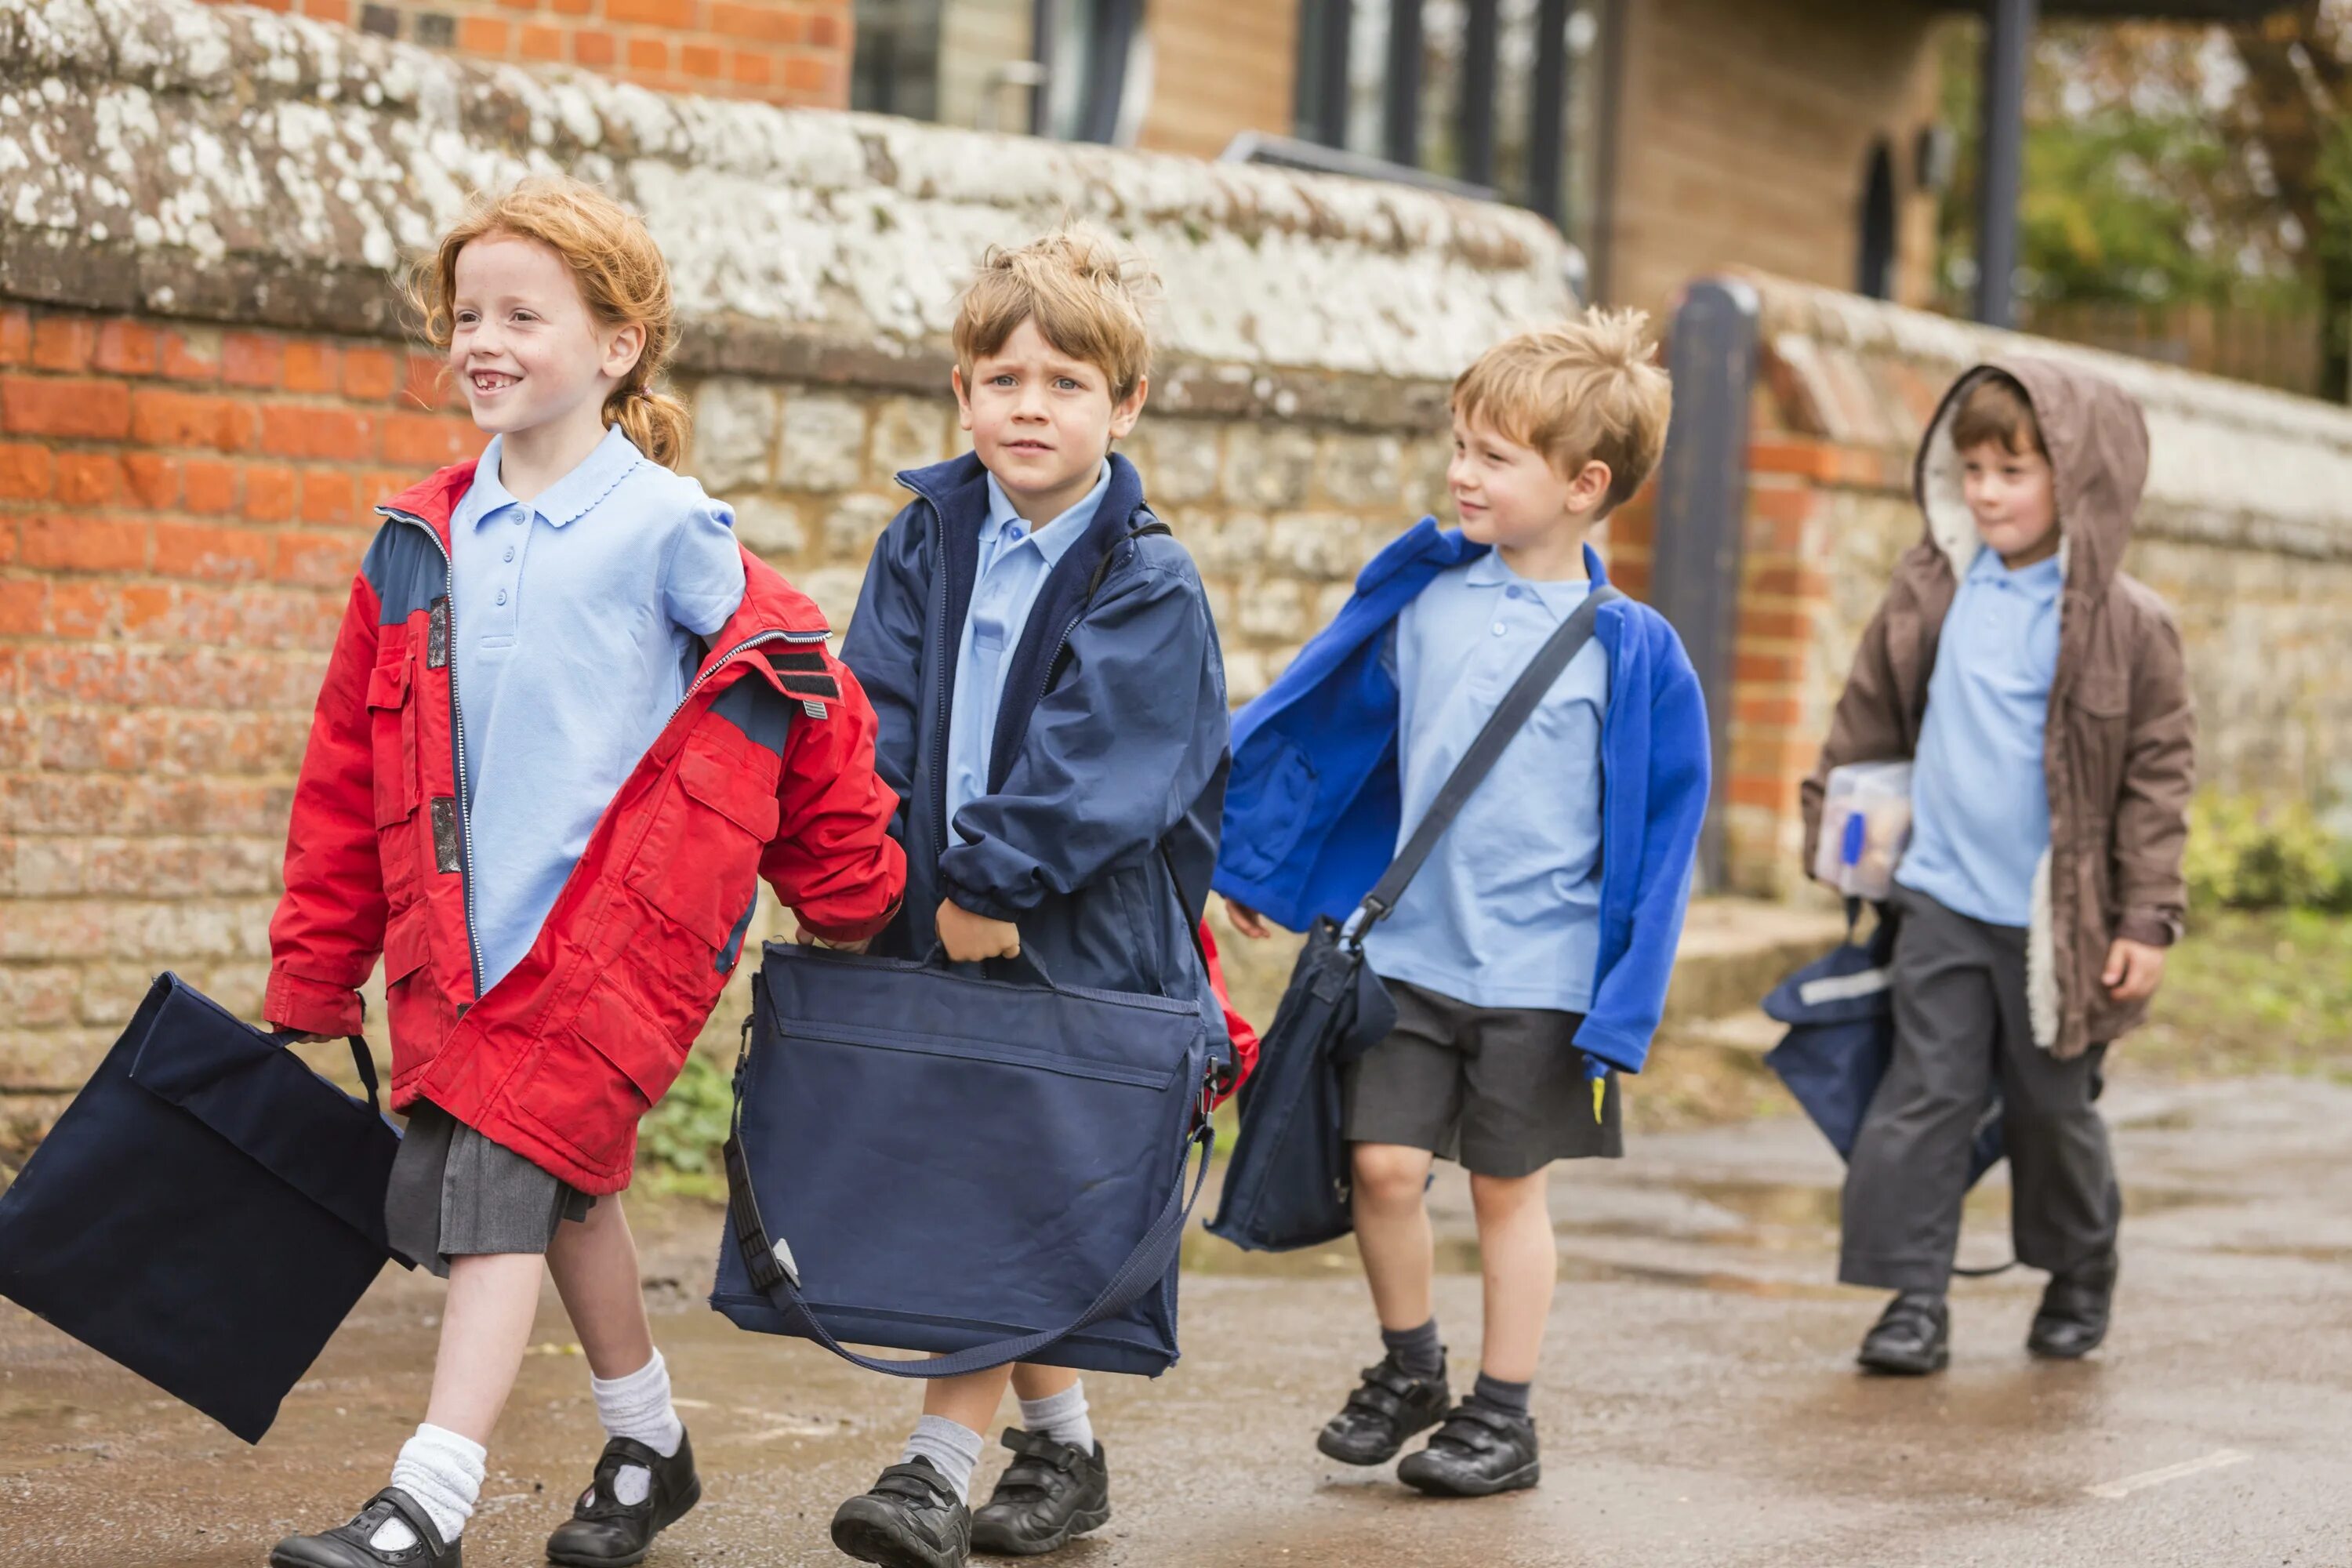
{"type": "Point", "coordinates": [2041, 694]}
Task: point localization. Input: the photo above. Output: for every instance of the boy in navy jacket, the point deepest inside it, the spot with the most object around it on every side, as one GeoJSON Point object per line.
{"type": "Point", "coordinates": [1528, 960]}
{"type": "Point", "coordinates": [1052, 712]}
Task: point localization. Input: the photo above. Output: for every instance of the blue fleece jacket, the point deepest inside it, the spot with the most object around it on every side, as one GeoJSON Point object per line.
{"type": "Point", "coordinates": [1312, 808]}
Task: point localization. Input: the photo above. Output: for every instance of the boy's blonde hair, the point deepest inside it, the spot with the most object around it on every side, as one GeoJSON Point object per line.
{"type": "Point", "coordinates": [1583, 392]}
{"type": "Point", "coordinates": [621, 275]}
{"type": "Point", "coordinates": [1086, 296]}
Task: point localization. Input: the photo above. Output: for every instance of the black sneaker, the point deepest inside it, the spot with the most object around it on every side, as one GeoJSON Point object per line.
{"type": "Point", "coordinates": [1052, 1493]}
{"type": "Point", "coordinates": [2075, 1310]}
{"type": "Point", "coordinates": [346, 1545]}
{"type": "Point", "coordinates": [1478, 1452]}
{"type": "Point", "coordinates": [1912, 1338]}
{"type": "Point", "coordinates": [606, 1533]}
{"type": "Point", "coordinates": [1390, 1405]}
{"type": "Point", "coordinates": [911, 1519]}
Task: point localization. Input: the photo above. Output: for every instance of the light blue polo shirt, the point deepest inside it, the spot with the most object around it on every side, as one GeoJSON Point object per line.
{"type": "Point", "coordinates": [1506, 911]}
{"type": "Point", "coordinates": [1016, 558]}
{"type": "Point", "coordinates": [1979, 801]}
{"type": "Point", "coordinates": [576, 615]}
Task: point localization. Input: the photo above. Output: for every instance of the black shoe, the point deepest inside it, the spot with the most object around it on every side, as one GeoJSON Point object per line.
{"type": "Point", "coordinates": [1478, 1452]}
{"type": "Point", "coordinates": [2074, 1310]}
{"type": "Point", "coordinates": [1052, 1493]}
{"type": "Point", "coordinates": [606, 1533]}
{"type": "Point", "coordinates": [911, 1519]}
{"type": "Point", "coordinates": [346, 1545]}
{"type": "Point", "coordinates": [1390, 1405]}
{"type": "Point", "coordinates": [1912, 1338]}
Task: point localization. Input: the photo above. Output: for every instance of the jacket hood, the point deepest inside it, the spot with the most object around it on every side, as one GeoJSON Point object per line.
{"type": "Point", "coordinates": [2098, 458]}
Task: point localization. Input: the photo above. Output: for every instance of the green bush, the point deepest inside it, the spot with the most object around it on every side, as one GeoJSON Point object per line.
{"type": "Point", "coordinates": [684, 1134]}
{"type": "Point", "coordinates": [2245, 855]}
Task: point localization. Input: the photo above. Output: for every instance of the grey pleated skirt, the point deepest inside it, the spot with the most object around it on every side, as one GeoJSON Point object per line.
{"type": "Point", "coordinates": [455, 1194]}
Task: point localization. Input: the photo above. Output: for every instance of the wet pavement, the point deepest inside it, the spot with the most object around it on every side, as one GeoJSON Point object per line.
{"type": "Point", "coordinates": [1698, 1404]}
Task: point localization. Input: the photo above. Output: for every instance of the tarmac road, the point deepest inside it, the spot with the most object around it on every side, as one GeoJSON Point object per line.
{"type": "Point", "coordinates": [1698, 1405]}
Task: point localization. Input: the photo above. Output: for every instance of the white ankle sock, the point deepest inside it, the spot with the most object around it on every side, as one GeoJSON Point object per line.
{"type": "Point", "coordinates": [952, 1448]}
{"type": "Point", "coordinates": [639, 1406]}
{"type": "Point", "coordinates": [443, 1472]}
{"type": "Point", "coordinates": [1062, 1416]}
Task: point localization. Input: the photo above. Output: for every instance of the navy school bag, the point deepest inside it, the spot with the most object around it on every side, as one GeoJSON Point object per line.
{"type": "Point", "coordinates": [206, 1211]}
{"type": "Point", "coordinates": [1840, 1010]}
{"type": "Point", "coordinates": [1289, 1183]}
{"type": "Point", "coordinates": [927, 1158]}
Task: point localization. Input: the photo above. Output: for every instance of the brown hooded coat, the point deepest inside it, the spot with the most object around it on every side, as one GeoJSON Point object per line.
{"type": "Point", "coordinates": [2119, 748]}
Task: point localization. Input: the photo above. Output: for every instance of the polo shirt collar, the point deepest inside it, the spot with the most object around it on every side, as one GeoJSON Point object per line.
{"type": "Point", "coordinates": [1489, 572]}
{"type": "Point", "coordinates": [1052, 538]}
{"type": "Point", "coordinates": [2042, 582]}
{"type": "Point", "coordinates": [568, 499]}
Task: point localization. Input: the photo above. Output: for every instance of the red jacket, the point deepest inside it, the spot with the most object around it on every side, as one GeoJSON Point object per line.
{"type": "Point", "coordinates": [765, 770]}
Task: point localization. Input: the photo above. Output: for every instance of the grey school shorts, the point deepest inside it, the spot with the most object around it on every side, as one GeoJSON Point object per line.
{"type": "Point", "coordinates": [1502, 1091]}
{"type": "Point", "coordinates": [455, 1194]}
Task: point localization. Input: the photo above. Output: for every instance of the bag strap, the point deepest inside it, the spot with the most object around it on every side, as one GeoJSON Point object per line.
{"type": "Point", "coordinates": [1518, 704]}
{"type": "Point", "coordinates": [359, 1060]}
{"type": "Point", "coordinates": [775, 1276]}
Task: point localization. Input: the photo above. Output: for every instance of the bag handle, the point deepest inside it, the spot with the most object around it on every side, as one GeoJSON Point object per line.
{"type": "Point", "coordinates": [775, 1276]}
{"type": "Point", "coordinates": [359, 1060]}
{"type": "Point", "coordinates": [1518, 704]}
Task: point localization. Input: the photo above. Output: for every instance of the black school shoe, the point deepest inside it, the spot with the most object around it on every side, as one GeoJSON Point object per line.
{"type": "Point", "coordinates": [346, 1545]}
{"type": "Point", "coordinates": [2075, 1310]}
{"type": "Point", "coordinates": [1390, 1405]}
{"type": "Point", "coordinates": [1478, 1452]}
{"type": "Point", "coordinates": [911, 1519]}
{"type": "Point", "coordinates": [1912, 1338]}
{"type": "Point", "coordinates": [606, 1533]}
{"type": "Point", "coordinates": [1050, 1493]}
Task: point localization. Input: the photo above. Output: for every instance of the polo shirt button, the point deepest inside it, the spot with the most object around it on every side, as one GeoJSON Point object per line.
{"type": "Point", "coordinates": [1500, 628]}
{"type": "Point", "coordinates": [1512, 592]}
{"type": "Point", "coordinates": [502, 595]}
{"type": "Point", "coordinates": [510, 552]}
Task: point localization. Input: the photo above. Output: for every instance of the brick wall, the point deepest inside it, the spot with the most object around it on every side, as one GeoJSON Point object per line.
{"type": "Point", "coordinates": [779, 51]}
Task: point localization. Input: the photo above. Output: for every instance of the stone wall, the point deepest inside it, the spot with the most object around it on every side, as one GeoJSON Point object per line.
{"type": "Point", "coordinates": [203, 389]}
{"type": "Point", "coordinates": [2246, 529]}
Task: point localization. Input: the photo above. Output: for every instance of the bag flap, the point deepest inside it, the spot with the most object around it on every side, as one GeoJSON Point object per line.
{"type": "Point", "coordinates": [267, 1103]}
{"type": "Point", "coordinates": [1851, 985]}
{"type": "Point", "coordinates": [734, 792]}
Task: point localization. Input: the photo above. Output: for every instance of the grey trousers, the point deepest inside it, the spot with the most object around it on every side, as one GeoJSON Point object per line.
{"type": "Point", "coordinates": [1961, 1031]}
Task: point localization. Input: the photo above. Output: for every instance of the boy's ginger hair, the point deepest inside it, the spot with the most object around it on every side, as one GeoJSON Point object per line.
{"type": "Point", "coordinates": [1087, 295]}
{"type": "Point", "coordinates": [1586, 391]}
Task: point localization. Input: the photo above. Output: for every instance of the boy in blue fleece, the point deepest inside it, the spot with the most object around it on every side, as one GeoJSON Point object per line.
{"type": "Point", "coordinates": [1528, 960]}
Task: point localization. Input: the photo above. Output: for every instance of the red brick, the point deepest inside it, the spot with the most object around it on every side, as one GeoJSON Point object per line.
{"type": "Point", "coordinates": [1780, 502]}
{"type": "Point", "coordinates": [594, 49]}
{"type": "Point", "coordinates": [339, 12]}
{"type": "Point", "coordinates": [299, 430]}
{"type": "Point", "coordinates": [1750, 789]}
{"type": "Point", "coordinates": [1777, 669]}
{"type": "Point", "coordinates": [312, 366]}
{"type": "Point", "coordinates": [574, 7]}
{"type": "Point", "coordinates": [328, 496]}
{"type": "Point", "coordinates": [482, 35]}
{"type": "Point", "coordinates": [520, 4]}
{"type": "Point", "coordinates": [192, 356]}
{"type": "Point", "coordinates": [81, 543]}
{"type": "Point", "coordinates": [1786, 582]}
{"type": "Point", "coordinates": [163, 418]}
{"type": "Point", "coordinates": [21, 599]}
{"type": "Point", "coordinates": [423, 440]}
{"type": "Point", "coordinates": [63, 342]}
{"type": "Point", "coordinates": [824, 32]}
{"type": "Point", "coordinates": [320, 560]}
{"type": "Point", "coordinates": [269, 492]}
{"type": "Point", "coordinates": [24, 471]}
{"type": "Point", "coordinates": [677, 15]}
{"type": "Point", "coordinates": [648, 55]}
{"type": "Point", "coordinates": [153, 480]}
{"type": "Point", "coordinates": [144, 604]}
{"type": "Point", "coordinates": [1767, 709]}
{"type": "Point", "coordinates": [804, 73]}
{"type": "Point", "coordinates": [541, 43]}
{"type": "Point", "coordinates": [188, 549]}
{"type": "Point", "coordinates": [211, 486]}
{"type": "Point", "coordinates": [426, 382]}
{"type": "Point", "coordinates": [252, 359]}
{"type": "Point", "coordinates": [700, 60]}
{"type": "Point", "coordinates": [751, 69]}
{"type": "Point", "coordinates": [370, 374]}
{"type": "Point", "coordinates": [1778, 624]}
{"type": "Point", "coordinates": [770, 23]}
{"type": "Point", "coordinates": [87, 478]}
{"type": "Point", "coordinates": [79, 609]}
{"type": "Point", "coordinates": [127, 348]}
{"type": "Point", "coordinates": [95, 410]}
{"type": "Point", "coordinates": [1807, 459]}
{"type": "Point", "coordinates": [16, 335]}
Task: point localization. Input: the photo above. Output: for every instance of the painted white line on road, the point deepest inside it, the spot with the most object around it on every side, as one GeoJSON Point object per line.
{"type": "Point", "coordinates": [2220, 1458]}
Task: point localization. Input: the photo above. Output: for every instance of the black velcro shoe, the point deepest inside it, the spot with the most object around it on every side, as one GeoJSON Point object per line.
{"type": "Point", "coordinates": [2075, 1310]}
{"type": "Point", "coordinates": [346, 1545]}
{"type": "Point", "coordinates": [606, 1533]}
{"type": "Point", "coordinates": [1912, 1338]}
{"type": "Point", "coordinates": [911, 1519]}
{"type": "Point", "coordinates": [1478, 1452]}
{"type": "Point", "coordinates": [1051, 1492]}
{"type": "Point", "coordinates": [1390, 1405]}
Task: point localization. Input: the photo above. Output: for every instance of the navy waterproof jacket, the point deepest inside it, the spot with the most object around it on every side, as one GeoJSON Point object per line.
{"type": "Point", "coordinates": [1312, 815]}
{"type": "Point", "coordinates": [1106, 778]}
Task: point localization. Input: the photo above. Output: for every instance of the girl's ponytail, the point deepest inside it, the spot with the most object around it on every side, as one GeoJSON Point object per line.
{"type": "Point", "coordinates": [620, 273]}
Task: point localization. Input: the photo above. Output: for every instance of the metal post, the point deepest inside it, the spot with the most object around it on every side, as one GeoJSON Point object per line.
{"type": "Point", "coordinates": [2009, 47]}
{"type": "Point", "coordinates": [1548, 113]}
{"type": "Point", "coordinates": [1325, 30]}
{"type": "Point", "coordinates": [1400, 133]}
{"type": "Point", "coordinates": [1481, 36]}
{"type": "Point", "coordinates": [1043, 15]}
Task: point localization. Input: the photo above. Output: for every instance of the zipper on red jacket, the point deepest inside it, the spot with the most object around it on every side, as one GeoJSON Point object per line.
{"type": "Point", "coordinates": [457, 740]}
{"type": "Point", "coordinates": [773, 634]}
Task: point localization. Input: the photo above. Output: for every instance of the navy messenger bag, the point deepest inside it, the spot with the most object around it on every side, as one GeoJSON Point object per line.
{"type": "Point", "coordinates": [924, 1159]}
{"type": "Point", "coordinates": [206, 1211]}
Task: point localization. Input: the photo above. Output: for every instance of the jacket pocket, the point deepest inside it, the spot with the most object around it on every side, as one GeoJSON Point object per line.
{"type": "Point", "coordinates": [1271, 809]}
{"type": "Point", "coordinates": [698, 863]}
{"type": "Point", "coordinates": [409, 1004]}
{"type": "Point", "coordinates": [392, 735]}
{"type": "Point", "coordinates": [2099, 714]}
{"type": "Point", "coordinates": [600, 1073]}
